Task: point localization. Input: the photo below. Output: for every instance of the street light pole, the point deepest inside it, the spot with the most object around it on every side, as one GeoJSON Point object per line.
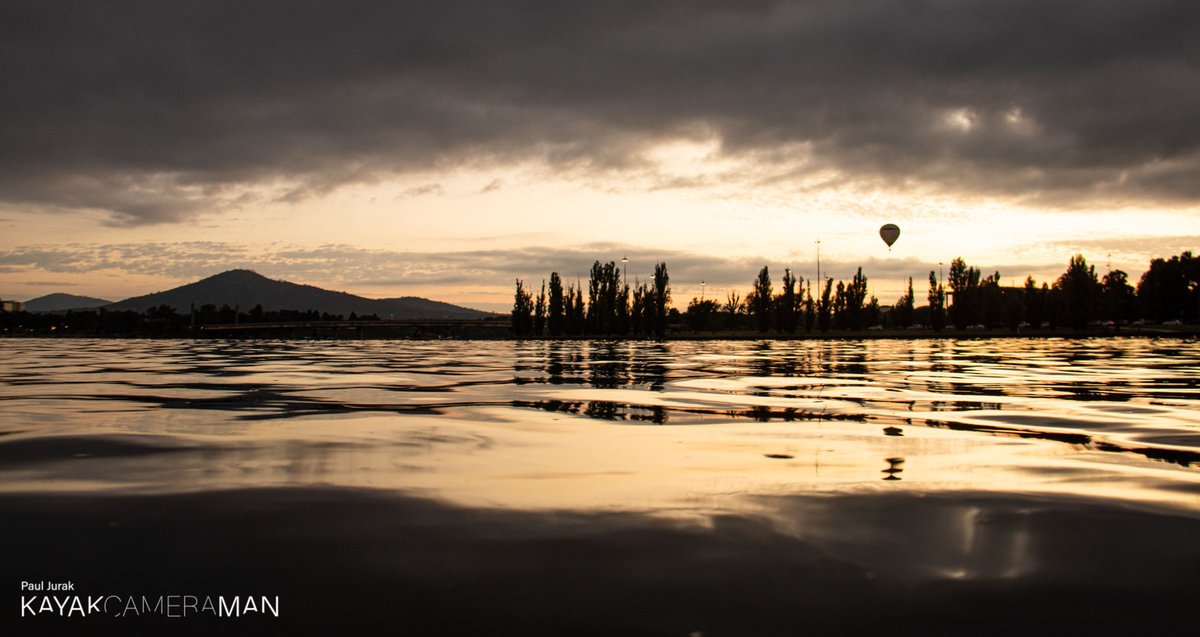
{"type": "Point", "coordinates": [702, 291]}
{"type": "Point", "coordinates": [625, 269]}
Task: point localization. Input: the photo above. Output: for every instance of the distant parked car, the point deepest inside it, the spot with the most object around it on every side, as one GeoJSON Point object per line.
{"type": "Point", "coordinates": [976, 326]}
{"type": "Point", "coordinates": [1023, 324]}
{"type": "Point", "coordinates": [916, 326]}
{"type": "Point", "coordinates": [873, 328]}
{"type": "Point", "coordinates": [1173, 322]}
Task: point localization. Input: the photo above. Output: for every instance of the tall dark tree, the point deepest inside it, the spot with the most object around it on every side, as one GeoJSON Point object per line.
{"type": "Point", "coordinates": [604, 283]}
{"type": "Point", "coordinates": [623, 319]}
{"type": "Point", "coordinates": [810, 309]}
{"type": "Point", "coordinates": [555, 318]}
{"type": "Point", "coordinates": [825, 307]}
{"type": "Point", "coordinates": [758, 303]}
{"type": "Point", "coordinates": [522, 312]}
{"type": "Point", "coordinates": [1035, 303]}
{"type": "Point", "coordinates": [539, 313]}
{"type": "Point", "coordinates": [787, 305]}
{"type": "Point", "coordinates": [989, 301]}
{"type": "Point", "coordinates": [855, 300]}
{"type": "Point", "coordinates": [569, 311]}
{"type": "Point", "coordinates": [1118, 300]}
{"type": "Point", "coordinates": [964, 284]}
{"type": "Point", "coordinates": [840, 321]}
{"type": "Point", "coordinates": [905, 307]}
{"type": "Point", "coordinates": [1080, 292]}
{"type": "Point", "coordinates": [937, 303]}
{"type": "Point", "coordinates": [1170, 289]}
{"type": "Point", "coordinates": [637, 310]}
{"type": "Point", "coordinates": [578, 319]}
{"type": "Point", "coordinates": [662, 298]}
{"type": "Point", "coordinates": [573, 309]}
{"type": "Point", "coordinates": [871, 312]}
{"type": "Point", "coordinates": [649, 310]}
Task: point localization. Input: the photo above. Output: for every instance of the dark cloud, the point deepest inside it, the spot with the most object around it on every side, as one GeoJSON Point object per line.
{"type": "Point", "coordinates": [155, 111]}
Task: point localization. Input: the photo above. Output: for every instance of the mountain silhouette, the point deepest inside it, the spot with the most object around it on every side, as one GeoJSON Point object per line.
{"type": "Point", "coordinates": [61, 302]}
{"type": "Point", "coordinates": [246, 289]}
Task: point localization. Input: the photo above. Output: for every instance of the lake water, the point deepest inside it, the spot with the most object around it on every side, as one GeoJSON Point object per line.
{"type": "Point", "coordinates": [720, 488]}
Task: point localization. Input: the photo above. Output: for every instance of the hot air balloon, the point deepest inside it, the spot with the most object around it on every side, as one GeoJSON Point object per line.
{"type": "Point", "coordinates": [889, 233]}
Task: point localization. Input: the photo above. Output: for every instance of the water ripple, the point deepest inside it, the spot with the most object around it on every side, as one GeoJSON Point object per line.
{"type": "Point", "coordinates": [1136, 396]}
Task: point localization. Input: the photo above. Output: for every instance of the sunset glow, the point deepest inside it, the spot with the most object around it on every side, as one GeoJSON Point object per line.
{"type": "Point", "coordinates": [718, 139]}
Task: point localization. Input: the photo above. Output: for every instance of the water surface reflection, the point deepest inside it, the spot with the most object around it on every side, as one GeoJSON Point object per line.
{"type": "Point", "coordinates": [620, 487]}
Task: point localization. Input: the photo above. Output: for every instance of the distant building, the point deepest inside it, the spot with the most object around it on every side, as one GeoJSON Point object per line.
{"type": "Point", "coordinates": [12, 306]}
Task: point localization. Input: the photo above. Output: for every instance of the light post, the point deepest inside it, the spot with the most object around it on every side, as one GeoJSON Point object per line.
{"type": "Point", "coordinates": [702, 291]}
{"type": "Point", "coordinates": [625, 269]}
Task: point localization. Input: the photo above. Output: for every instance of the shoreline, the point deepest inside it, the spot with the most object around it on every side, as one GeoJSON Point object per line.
{"type": "Point", "coordinates": [364, 332]}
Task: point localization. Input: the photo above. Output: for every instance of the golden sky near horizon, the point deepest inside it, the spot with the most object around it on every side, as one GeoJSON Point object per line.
{"type": "Point", "coordinates": [390, 152]}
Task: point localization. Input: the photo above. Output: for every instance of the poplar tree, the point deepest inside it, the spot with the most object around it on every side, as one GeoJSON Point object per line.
{"type": "Point", "coordinates": [825, 307]}
{"type": "Point", "coordinates": [839, 307]}
{"type": "Point", "coordinates": [539, 313]}
{"type": "Point", "coordinates": [637, 311]}
{"type": "Point", "coordinates": [570, 327]}
{"type": "Point", "coordinates": [759, 301]}
{"type": "Point", "coordinates": [578, 317]}
{"type": "Point", "coordinates": [662, 298]}
{"type": "Point", "coordinates": [964, 283]}
{"type": "Point", "coordinates": [555, 318]}
{"type": "Point", "coordinates": [937, 303]}
{"type": "Point", "coordinates": [787, 304]}
{"type": "Point", "coordinates": [522, 312]}
{"type": "Point", "coordinates": [904, 308]}
{"type": "Point", "coordinates": [810, 309]}
{"type": "Point", "coordinates": [595, 310]}
{"type": "Point", "coordinates": [623, 327]}
{"type": "Point", "coordinates": [855, 301]}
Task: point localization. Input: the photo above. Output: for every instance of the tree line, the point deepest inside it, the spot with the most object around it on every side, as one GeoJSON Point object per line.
{"type": "Point", "coordinates": [795, 308]}
{"type": "Point", "coordinates": [1168, 291]}
{"type": "Point", "coordinates": [613, 308]}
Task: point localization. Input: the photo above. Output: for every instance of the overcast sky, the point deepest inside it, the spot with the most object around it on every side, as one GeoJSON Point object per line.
{"type": "Point", "coordinates": [443, 148]}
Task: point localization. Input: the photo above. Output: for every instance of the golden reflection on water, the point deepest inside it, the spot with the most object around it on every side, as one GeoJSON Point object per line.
{"type": "Point", "coordinates": [681, 428]}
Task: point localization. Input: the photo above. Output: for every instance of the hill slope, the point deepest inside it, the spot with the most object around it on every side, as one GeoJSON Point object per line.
{"type": "Point", "coordinates": [246, 289]}
{"type": "Point", "coordinates": [60, 302]}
